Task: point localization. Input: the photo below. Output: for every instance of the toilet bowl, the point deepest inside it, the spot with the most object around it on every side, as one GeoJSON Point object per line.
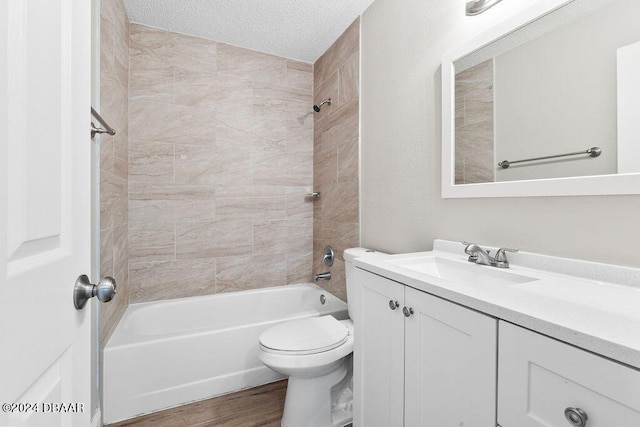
{"type": "Point", "coordinates": [315, 353]}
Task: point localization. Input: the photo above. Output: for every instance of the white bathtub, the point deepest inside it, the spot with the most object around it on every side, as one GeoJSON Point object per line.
{"type": "Point", "coordinates": [168, 353]}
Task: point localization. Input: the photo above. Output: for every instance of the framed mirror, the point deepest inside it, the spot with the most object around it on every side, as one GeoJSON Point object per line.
{"type": "Point", "coordinates": [546, 103]}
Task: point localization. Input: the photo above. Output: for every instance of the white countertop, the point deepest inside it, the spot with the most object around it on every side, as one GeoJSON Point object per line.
{"type": "Point", "coordinates": [590, 305]}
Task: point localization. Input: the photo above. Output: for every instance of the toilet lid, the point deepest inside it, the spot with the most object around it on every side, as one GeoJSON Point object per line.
{"type": "Point", "coordinates": [305, 336]}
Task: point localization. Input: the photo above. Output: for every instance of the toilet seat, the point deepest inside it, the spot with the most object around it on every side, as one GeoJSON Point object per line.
{"type": "Point", "coordinates": [305, 336]}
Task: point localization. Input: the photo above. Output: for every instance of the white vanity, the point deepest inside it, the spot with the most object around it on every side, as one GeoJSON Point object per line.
{"type": "Point", "coordinates": [441, 342]}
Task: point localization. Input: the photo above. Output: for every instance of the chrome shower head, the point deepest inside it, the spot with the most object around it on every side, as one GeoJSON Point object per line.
{"type": "Point", "coordinates": [316, 107]}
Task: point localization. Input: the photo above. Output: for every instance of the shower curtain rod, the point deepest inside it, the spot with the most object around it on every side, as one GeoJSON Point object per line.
{"type": "Point", "coordinates": [105, 129]}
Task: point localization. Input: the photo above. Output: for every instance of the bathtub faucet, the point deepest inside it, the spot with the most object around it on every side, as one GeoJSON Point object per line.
{"type": "Point", "coordinates": [323, 276]}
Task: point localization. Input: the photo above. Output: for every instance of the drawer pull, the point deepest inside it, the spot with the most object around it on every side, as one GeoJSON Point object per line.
{"type": "Point", "coordinates": [393, 304]}
{"type": "Point", "coordinates": [576, 417]}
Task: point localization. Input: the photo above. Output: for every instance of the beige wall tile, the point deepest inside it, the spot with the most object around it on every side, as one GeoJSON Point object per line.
{"type": "Point", "coordinates": [346, 45]}
{"type": "Point", "coordinates": [250, 272]}
{"type": "Point", "coordinates": [148, 211]}
{"type": "Point", "coordinates": [152, 281]}
{"type": "Point", "coordinates": [349, 79]}
{"type": "Point", "coordinates": [221, 149]}
{"type": "Point", "coordinates": [106, 252]}
{"type": "Point", "coordinates": [192, 52]}
{"type": "Point", "coordinates": [276, 168]}
{"type": "Point", "coordinates": [113, 200]}
{"type": "Point", "coordinates": [149, 44]}
{"type": "Point", "coordinates": [216, 238]}
{"type": "Point", "coordinates": [348, 158]}
{"type": "Point", "coordinates": [201, 164]}
{"type": "Point", "coordinates": [196, 87]}
{"type": "Point", "coordinates": [151, 162]}
{"type": "Point", "coordinates": [329, 88]}
{"type": "Point", "coordinates": [336, 156]}
{"type": "Point", "coordinates": [299, 267]}
{"type": "Point", "coordinates": [151, 79]}
{"type": "Point", "coordinates": [298, 204]}
{"type": "Point", "coordinates": [106, 154]}
{"type": "Point", "coordinates": [152, 242]}
{"type": "Point", "coordinates": [114, 84]}
{"type": "Point", "coordinates": [288, 236]}
{"type": "Point", "coordinates": [162, 122]}
{"type": "Point", "coordinates": [300, 75]}
{"type": "Point", "coordinates": [151, 191]}
{"type": "Point", "coordinates": [250, 65]}
{"type": "Point", "coordinates": [251, 207]}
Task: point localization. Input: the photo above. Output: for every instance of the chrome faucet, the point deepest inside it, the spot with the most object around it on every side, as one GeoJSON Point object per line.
{"type": "Point", "coordinates": [323, 276]}
{"type": "Point", "coordinates": [482, 256]}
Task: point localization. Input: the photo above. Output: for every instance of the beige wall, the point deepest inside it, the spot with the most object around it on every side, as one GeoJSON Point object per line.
{"type": "Point", "coordinates": [335, 162]}
{"type": "Point", "coordinates": [114, 155]}
{"type": "Point", "coordinates": [402, 210]}
{"type": "Point", "coordinates": [220, 161]}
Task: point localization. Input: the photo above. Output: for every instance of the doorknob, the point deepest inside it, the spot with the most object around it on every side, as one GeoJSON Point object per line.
{"type": "Point", "coordinates": [84, 290]}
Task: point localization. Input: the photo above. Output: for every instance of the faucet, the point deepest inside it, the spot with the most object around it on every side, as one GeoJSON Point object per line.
{"type": "Point", "coordinates": [323, 276]}
{"type": "Point", "coordinates": [483, 257]}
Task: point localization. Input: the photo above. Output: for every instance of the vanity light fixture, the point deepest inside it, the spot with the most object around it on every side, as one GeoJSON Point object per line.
{"type": "Point", "coordinates": [476, 7]}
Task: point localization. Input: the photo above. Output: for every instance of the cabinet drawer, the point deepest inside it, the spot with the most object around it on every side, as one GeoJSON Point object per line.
{"type": "Point", "coordinates": [539, 377]}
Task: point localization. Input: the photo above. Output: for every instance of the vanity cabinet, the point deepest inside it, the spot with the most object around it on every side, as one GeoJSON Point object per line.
{"type": "Point", "coordinates": [539, 378]}
{"type": "Point", "coordinates": [420, 360]}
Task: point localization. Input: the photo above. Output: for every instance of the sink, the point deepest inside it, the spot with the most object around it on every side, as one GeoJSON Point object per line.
{"type": "Point", "coordinates": [462, 272]}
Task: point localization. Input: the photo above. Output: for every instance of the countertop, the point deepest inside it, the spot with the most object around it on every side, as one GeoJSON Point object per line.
{"type": "Point", "coordinates": [590, 305]}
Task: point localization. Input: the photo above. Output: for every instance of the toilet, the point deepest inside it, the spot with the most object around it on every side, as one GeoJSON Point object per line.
{"type": "Point", "coordinates": [315, 353]}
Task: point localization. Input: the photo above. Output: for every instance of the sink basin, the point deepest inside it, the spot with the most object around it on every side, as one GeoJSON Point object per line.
{"type": "Point", "coordinates": [461, 271]}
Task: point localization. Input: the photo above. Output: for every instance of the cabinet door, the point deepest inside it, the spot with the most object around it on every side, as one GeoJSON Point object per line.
{"type": "Point", "coordinates": [450, 364]}
{"type": "Point", "coordinates": [539, 377]}
{"type": "Point", "coordinates": [378, 353]}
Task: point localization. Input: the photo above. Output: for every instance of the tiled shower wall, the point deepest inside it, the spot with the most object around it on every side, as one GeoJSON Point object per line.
{"type": "Point", "coordinates": [114, 158]}
{"type": "Point", "coordinates": [220, 161]}
{"type": "Point", "coordinates": [474, 125]}
{"type": "Point", "coordinates": [336, 146]}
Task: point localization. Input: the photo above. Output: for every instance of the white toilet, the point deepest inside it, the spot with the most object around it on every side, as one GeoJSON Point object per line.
{"type": "Point", "coordinates": [315, 353]}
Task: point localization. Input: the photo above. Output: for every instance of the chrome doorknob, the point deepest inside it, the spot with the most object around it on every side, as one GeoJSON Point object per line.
{"type": "Point", "coordinates": [393, 304]}
{"type": "Point", "coordinates": [407, 311]}
{"type": "Point", "coordinates": [84, 290]}
{"type": "Point", "coordinates": [576, 416]}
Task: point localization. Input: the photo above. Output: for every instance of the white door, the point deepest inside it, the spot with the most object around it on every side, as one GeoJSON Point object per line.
{"type": "Point", "coordinates": [379, 353]}
{"type": "Point", "coordinates": [450, 364]}
{"type": "Point", "coordinates": [45, 208]}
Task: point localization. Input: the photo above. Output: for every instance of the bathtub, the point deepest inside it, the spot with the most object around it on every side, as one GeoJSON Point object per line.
{"type": "Point", "coordinates": [168, 353]}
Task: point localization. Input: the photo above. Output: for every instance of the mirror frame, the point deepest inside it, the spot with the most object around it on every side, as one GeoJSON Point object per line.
{"type": "Point", "coordinates": [614, 184]}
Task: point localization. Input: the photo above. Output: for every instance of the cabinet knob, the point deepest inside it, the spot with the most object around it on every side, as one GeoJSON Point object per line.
{"type": "Point", "coordinates": [408, 311]}
{"type": "Point", "coordinates": [576, 417]}
{"type": "Point", "coordinates": [393, 304]}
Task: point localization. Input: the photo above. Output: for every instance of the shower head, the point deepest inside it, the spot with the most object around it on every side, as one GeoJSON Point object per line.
{"type": "Point", "coordinates": [316, 107]}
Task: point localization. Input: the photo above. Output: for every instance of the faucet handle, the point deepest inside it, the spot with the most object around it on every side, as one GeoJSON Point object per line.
{"type": "Point", "coordinates": [501, 257]}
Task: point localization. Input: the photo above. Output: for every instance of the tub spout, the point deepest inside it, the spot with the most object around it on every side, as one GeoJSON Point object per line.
{"type": "Point", "coordinates": [323, 276]}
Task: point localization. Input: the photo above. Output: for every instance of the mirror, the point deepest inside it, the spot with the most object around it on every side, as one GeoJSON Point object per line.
{"type": "Point", "coordinates": [546, 103]}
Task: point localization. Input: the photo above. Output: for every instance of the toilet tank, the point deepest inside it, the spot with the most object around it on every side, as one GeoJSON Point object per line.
{"type": "Point", "coordinates": [353, 289]}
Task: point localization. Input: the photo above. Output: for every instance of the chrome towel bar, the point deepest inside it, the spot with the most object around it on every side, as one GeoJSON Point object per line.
{"type": "Point", "coordinates": [593, 152]}
{"type": "Point", "coordinates": [105, 127]}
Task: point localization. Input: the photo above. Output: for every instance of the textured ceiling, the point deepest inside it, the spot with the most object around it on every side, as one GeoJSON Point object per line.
{"type": "Point", "coordinates": [295, 29]}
